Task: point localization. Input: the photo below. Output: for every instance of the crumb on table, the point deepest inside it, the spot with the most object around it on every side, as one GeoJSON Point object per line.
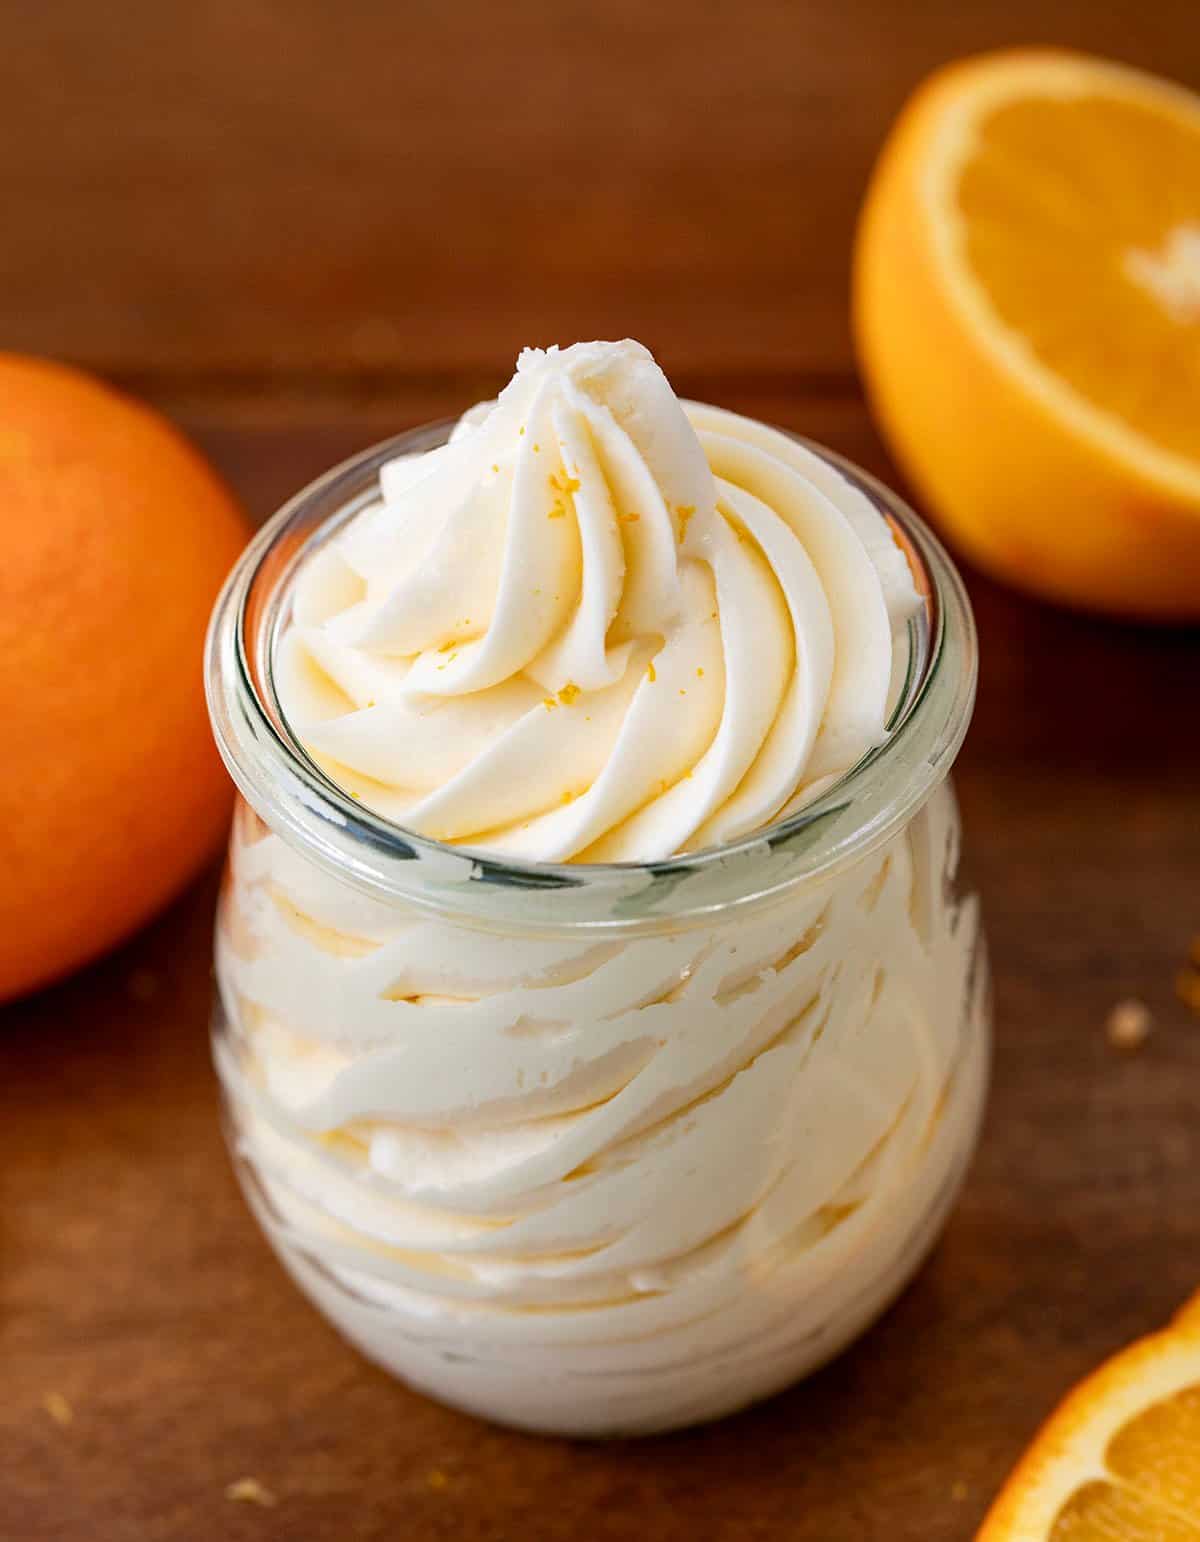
{"type": "Point", "coordinates": [249, 1491]}
{"type": "Point", "coordinates": [59, 1409]}
{"type": "Point", "coordinates": [1128, 1025]}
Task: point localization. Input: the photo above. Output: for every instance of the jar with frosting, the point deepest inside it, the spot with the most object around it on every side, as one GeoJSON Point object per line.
{"type": "Point", "coordinates": [602, 1029]}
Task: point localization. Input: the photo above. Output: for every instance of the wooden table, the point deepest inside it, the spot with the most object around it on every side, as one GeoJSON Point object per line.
{"type": "Point", "coordinates": [134, 1283]}
{"type": "Point", "coordinates": [297, 235]}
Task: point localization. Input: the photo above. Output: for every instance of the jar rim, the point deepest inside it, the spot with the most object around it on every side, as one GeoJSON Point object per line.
{"type": "Point", "coordinates": [853, 816]}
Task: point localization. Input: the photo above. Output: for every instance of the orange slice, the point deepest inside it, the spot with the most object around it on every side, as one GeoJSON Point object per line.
{"type": "Point", "coordinates": [1120, 1459]}
{"type": "Point", "coordinates": [1027, 313]}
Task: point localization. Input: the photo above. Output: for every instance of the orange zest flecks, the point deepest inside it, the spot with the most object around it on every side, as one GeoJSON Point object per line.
{"type": "Point", "coordinates": [685, 512]}
{"type": "Point", "coordinates": [568, 693]}
{"type": "Point", "coordinates": [563, 484]}
{"type": "Point", "coordinates": [558, 511]}
{"type": "Point", "coordinates": [651, 672]}
{"type": "Point", "coordinates": [549, 702]}
{"type": "Point", "coordinates": [699, 674]}
{"type": "Point", "coordinates": [628, 519]}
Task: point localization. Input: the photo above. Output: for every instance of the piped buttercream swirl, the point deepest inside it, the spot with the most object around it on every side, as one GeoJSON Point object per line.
{"type": "Point", "coordinates": [598, 624]}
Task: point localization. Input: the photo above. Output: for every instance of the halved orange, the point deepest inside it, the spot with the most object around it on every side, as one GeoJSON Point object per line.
{"type": "Point", "coordinates": [1120, 1459]}
{"type": "Point", "coordinates": [1027, 313]}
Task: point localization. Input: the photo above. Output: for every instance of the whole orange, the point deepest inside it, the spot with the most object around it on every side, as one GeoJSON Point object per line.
{"type": "Point", "coordinates": [116, 537]}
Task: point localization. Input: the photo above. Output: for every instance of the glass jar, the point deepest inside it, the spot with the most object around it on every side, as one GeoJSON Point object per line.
{"type": "Point", "coordinates": [596, 1149]}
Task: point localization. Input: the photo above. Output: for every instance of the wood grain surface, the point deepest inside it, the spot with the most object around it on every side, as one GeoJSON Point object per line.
{"type": "Point", "coordinates": [134, 1283]}
{"type": "Point", "coordinates": [259, 188]}
{"type": "Point", "coordinates": [299, 227]}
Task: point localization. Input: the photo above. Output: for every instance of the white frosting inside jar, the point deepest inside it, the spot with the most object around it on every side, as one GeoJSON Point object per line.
{"type": "Point", "coordinates": [599, 1178]}
{"type": "Point", "coordinates": [595, 1184]}
{"type": "Point", "coordinates": [598, 624]}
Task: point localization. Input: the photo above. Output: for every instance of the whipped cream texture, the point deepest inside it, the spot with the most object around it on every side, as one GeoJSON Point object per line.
{"type": "Point", "coordinates": [623, 1167]}
{"type": "Point", "coordinates": [595, 1183]}
{"type": "Point", "coordinates": [599, 624]}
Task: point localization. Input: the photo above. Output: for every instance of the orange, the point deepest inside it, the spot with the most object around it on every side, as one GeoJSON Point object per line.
{"type": "Point", "coordinates": [116, 536]}
{"type": "Point", "coordinates": [1120, 1460]}
{"type": "Point", "coordinates": [1027, 316]}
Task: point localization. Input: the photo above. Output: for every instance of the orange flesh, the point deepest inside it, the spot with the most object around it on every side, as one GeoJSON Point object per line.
{"type": "Point", "coordinates": [1154, 1495]}
{"type": "Point", "coordinates": [1082, 224]}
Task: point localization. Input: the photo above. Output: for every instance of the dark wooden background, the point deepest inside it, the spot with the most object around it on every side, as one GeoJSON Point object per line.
{"type": "Point", "coordinates": [297, 225]}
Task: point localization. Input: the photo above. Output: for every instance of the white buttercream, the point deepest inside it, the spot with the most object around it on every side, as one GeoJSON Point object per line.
{"type": "Point", "coordinates": [598, 625]}
{"type": "Point", "coordinates": [593, 1185]}
{"type": "Point", "coordinates": [601, 1179]}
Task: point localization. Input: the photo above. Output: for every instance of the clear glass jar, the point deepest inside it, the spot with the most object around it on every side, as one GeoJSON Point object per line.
{"type": "Point", "coordinates": [596, 1149]}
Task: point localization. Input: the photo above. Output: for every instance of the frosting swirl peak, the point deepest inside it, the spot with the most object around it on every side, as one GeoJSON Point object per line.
{"type": "Point", "coordinates": [598, 624]}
